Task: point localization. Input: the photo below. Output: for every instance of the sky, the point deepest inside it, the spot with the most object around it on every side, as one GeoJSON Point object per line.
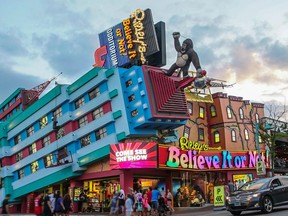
{"type": "Point", "coordinates": [243, 42]}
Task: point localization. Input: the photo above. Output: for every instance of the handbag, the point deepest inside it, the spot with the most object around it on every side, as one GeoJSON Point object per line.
{"type": "Point", "coordinates": [148, 207]}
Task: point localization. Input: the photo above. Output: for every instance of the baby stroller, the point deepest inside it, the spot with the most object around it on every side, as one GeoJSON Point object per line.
{"type": "Point", "coordinates": [163, 209]}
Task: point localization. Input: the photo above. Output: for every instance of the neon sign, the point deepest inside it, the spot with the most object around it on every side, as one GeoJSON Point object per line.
{"type": "Point", "coordinates": [174, 157]}
{"type": "Point", "coordinates": [185, 144]}
{"type": "Point", "coordinates": [133, 155]}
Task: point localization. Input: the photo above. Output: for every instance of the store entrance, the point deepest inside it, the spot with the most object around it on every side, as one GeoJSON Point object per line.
{"type": "Point", "coordinates": [142, 184]}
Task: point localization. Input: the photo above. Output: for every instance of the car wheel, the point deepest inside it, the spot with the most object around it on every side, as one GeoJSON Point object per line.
{"type": "Point", "coordinates": [235, 212]}
{"type": "Point", "coordinates": [267, 205]}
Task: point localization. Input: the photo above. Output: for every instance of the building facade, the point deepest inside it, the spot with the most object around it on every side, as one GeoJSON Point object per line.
{"type": "Point", "coordinates": [124, 128]}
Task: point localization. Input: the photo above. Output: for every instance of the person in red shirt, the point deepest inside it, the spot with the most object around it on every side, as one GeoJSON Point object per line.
{"type": "Point", "coordinates": [38, 203]}
{"type": "Point", "coordinates": [149, 195]}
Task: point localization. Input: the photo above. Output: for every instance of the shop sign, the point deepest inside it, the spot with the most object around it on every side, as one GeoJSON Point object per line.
{"type": "Point", "coordinates": [186, 144]}
{"type": "Point", "coordinates": [132, 40]}
{"type": "Point", "coordinates": [173, 157]}
{"type": "Point", "coordinates": [219, 196]}
{"type": "Point", "coordinates": [133, 155]}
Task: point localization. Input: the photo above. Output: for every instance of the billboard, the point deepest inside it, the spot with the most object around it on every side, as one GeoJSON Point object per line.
{"type": "Point", "coordinates": [129, 42]}
{"type": "Point", "coordinates": [133, 155]}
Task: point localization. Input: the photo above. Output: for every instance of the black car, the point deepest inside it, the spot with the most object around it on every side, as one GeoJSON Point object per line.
{"type": "Point", "coordinates": [261, 194]}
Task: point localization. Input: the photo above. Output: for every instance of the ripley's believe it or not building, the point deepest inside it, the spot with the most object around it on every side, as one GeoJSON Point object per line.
{"type": "Point", "coordinates": [122, 126]}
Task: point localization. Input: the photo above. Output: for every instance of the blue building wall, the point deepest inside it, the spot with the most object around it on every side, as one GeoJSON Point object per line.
{"type": "Point", "coordinates": [119, 123]}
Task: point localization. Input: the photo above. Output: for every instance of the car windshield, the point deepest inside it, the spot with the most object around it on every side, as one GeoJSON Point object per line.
{"type": "Point", "coordinates": [254, 185]}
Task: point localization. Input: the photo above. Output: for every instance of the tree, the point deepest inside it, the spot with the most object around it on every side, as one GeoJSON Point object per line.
{"type": "Point", "coordinates": [272, 128]}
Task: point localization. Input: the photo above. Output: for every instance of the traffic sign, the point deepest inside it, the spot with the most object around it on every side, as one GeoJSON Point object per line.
{"type": "Point", "coordinates": [219, 196]}
{"type": "Point", "coordinates": [260, 168]}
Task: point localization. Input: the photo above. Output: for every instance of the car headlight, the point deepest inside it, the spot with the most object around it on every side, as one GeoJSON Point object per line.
{"type": "Point", "coordinates": [228, 199]}
{"type": "Point", "coordinates": [253, 196]}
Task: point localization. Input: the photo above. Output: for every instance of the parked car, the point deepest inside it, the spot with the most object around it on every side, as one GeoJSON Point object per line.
{"type": "Point", "coordinates": [261, 194]}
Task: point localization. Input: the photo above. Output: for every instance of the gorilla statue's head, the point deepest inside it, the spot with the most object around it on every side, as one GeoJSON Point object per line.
{"type": "Point", "coordinates": [186, 45]}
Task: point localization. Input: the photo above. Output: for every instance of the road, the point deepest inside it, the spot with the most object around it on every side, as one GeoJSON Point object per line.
{"type": "Point", "coordinates": [279, 211]}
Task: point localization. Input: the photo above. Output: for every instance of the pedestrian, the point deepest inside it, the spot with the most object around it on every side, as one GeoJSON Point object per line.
{"type": "Point", "coordinates": [170, 200]}
{"type": "Point", "coordinates": [59, 206]}
{"type": "Point", "coordinates": [5, 205]}
{"type": "Point", "coordinates": [139, 204]}
{"type": "Point", "coordinates": [129, 205]}
{"type": "Point", "coordinates": [114, 204]}
{"type": "Point", "coordinates": [145, 205]}
{"type": "Point", "coordinates": [163, 193]}
{"type": "Point", "coordinates": [178, 197]}
{"type": "Point", "coordinates": [67, 202]}
{"type": "Point", "coordinates": [38, 204]}
{"type": "Point", "coordinates": [121, 201]}
{"type": "Point", "coordinates": [48, 210]}
{"type": "Point", "coordinates": [154, 200]}
{"type": "Point", "coordinates": [82, 203]}
{"type": "Point", "coordinates": [52, 201]}
{"type": "Point", "coordinates": [231, 186]}
{"type": "Point", "coordinates": [149, 196]}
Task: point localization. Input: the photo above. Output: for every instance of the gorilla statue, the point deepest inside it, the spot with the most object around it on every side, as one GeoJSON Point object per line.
{"type": "Point", "coordinates": [185, 55]}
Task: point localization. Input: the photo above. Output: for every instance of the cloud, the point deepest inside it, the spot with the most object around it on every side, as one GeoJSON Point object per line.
{"type": "Point", "coordinates": [14, 80]}
{"type": "Point", "coordinates": [11, 44]}
{"type": "Point", "coordinates": [73, 56]}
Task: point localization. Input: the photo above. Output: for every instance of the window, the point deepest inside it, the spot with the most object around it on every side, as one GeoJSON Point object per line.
{"type": "Point", "coordinates": [21, 173]}
{"type": "Point", "coordinates": [19, 156]}
{"type": "Point", "coordinates": [46, 141]}
{"type": "Point", "coordinates": [34, 166]}
{"type": "Point", "coordinates": [259, 139]}
{"type": "Point", "coordinates": [131, 98]}
{"type": "Point", "coordinates": [83, 121]}
{"type": "Point", "coordinates": [94, 93]}
{"type": "Point", "coordinates": [32, 148]}
{"type": "Point", "coordinates": [257, 117]}
{"type": "Point", "coordinates": [213, 111]}
{"type": "Point", "coordinates": [233, 135]}
{"type": "Point", "coordinates": [43, 122]}
{"type": "Point", "coordinates": [200, 134]}
{"type": "Point", "coordinates": [57, 113]}
{"type": "Point", "coordinates": [229, 113]}
{"type": "Point", "coordinates": [60, 133]}
{"type": "Point", "coordinates": [190, 108]}
{"type": "Point", "coordinates": [80, 102]}
{"type": "Point", "coordinates": [201, 112]}
{"type": "Point", "coordinates": [246, 134]}
{"type": "Point", "coordinates": [98, 113]}
{"type": "Point", "coordinates": [48, 160]}
{"type": "Point", "coordinates": [128, 83]}
{"type": "Point", "coordinates": [216, 137]}
{"type": "Point", "coordinates": [186, 132]}
{"type": "Point", "coordinates": [85, 141]}
{"type": "Point", "coordinates": [101, 133]}
{"type": "Point", "coordinates": [30, 131]}
{"type": "Point", "coordinates": [134, 113]}
{"type": "Point", "coordinates": [241, 113]}
{"type": "Point", "coordinates": [17, 139]}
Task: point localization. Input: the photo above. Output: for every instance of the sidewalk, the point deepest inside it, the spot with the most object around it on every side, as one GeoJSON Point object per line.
{"type": "Point", "coordinates": [178, 210]}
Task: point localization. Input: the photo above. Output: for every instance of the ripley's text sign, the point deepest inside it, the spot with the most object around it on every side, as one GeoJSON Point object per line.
{"type": "Point", "coordinates": [173, 157]}
{"type": "Point", "coordinates": [132, 40]}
